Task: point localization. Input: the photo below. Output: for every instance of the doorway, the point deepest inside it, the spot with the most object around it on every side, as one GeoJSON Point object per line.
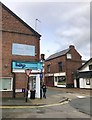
{"type": "Point", "coordinates": [32, 83]}
{"type": "Point", "coordinates": [77, 81]}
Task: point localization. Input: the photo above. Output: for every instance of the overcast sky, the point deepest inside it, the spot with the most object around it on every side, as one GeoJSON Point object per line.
{"type": "Point", "coordinates": [61, 23]}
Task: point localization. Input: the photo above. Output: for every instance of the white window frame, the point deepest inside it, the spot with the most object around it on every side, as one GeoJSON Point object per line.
{"type": "Point", "coordinates": [87, 81]}
{"type": "Point", "coordinates": [69, 56]}
{"type": "Point", "coordinates": [11, 89]}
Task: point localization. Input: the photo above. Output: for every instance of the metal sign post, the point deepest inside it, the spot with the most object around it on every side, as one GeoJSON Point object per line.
{"type": "Point", "coordinates": [28, 72]}
{"type": "Point", "coordinates": [41, 76]}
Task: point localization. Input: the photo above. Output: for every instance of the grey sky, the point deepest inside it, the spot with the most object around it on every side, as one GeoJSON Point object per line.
{"type": "Point", "coordinates": [62, 24]}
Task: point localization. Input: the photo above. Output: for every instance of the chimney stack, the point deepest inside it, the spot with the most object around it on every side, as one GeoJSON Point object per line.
{"type": "Point", "coordinates": [42, 56]}
{"type": "Point", "coordinates": [71, 46]}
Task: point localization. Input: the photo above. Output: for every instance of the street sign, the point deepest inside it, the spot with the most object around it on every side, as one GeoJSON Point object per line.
{"type": "Point", "coordinates": [41, 75]}
{"type": "Point", "coordinates": [17, 65]}
{"type": "Point", "coordinates": [28, 71]}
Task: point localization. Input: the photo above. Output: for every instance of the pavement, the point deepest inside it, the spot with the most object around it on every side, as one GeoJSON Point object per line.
{"type": "Point", "coordinates": [76, 98]}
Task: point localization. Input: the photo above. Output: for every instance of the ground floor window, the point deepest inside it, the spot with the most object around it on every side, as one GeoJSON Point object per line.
{"type": "Point", "coordinates": [87, 81]}
{"type": "Point", "coordinates": [55, 79]}
{"type": "Point", "coordinates": [6, 83]}
{"type": "Point", "coordinates": [50, 80]}
{"type": "Point", "coordinates": [61, 80]}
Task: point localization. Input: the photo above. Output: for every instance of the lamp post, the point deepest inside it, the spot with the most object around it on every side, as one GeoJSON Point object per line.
{"type": "Point", "coordinates": [28, 72]}
{"type": "Point", "coordinates": [41, 77]}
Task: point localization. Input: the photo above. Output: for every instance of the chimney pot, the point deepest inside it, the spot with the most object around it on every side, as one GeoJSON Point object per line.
{"type": "Point", "coordinates": [71, 46]}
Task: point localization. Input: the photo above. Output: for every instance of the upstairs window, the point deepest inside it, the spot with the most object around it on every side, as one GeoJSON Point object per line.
{"type": "Point", "coordinates": [60, 66]}
{"type": "Point", "coordinates": [90, 67]}
{"type": "Point", "coordinates": [69, 56]}
{"type": "Point", "coordinates": [48, 68]}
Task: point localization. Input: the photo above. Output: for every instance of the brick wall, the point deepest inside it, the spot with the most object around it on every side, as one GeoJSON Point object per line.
{"type": "Point", "coordinates": [8, 94]}
{"type": "Point", "coordinates": [14, 30]}
{"type": "Point", "coordinates": [54, 64]}
{"type": "Point", "coordinates": [21, 80]}
{"type": "Point", "coordinates": [69, 66]}
{"type": "Point", "coordinates": [72, 65]}
{"type": "Point", "coordinates": [5, 94]}
{"type": "Point", "coordinates": [0, 41]}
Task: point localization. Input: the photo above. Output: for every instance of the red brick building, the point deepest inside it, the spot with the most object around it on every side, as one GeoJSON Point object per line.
{"type": "Point", "coordinates": [20, 48]}
{"type": "Point", "coordinates": [59, 67]}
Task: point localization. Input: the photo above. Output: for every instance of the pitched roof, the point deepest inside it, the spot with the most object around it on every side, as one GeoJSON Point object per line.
{"type": "Point", "coordinates": [86, 63]}
{"type": "Point", "coordinates": [31, 29]}
{"type": "Point", "coordinates": [58, 54]}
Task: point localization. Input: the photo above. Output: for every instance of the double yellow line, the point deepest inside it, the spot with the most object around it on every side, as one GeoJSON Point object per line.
{"type": "Point", "coordinates": [19, 107]}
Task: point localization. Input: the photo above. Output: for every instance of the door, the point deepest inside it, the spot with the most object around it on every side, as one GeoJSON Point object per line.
{"type": "Point", "coordinates": [32, 83]}
{"type": "Point", "coordinates": [77, 81]}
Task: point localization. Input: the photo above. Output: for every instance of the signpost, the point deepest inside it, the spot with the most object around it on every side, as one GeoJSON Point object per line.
{"type": "Point", "coordinates": [28, 72]}
{"type": "Point", "coordinates": [41, 76]}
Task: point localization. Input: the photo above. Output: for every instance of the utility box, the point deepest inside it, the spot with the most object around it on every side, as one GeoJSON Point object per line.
{"type": "Point", "coordinates": [32, 94]}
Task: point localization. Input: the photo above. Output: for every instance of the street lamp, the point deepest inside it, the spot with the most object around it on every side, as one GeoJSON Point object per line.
{"type": "Point", "coordinates": [41, 78]}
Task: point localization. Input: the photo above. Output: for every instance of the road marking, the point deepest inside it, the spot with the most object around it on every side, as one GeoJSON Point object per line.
{"type": "Point", "coordinates": [81, 96]}
{"type": "Point", "coordinates": [18, 107]}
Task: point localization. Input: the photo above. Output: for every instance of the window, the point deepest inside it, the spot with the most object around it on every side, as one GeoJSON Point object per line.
{"type": "Point", "coordinates": [55, 79]}
{"type": "Point", "coordinates": [6, 84]}
{"type": "Point", "coordinates": [90, 67]}
{"type": "Point", "coordinates": [60, 66]}
{"type": "Point", "coordinates": [50, 80]}
{"type": "Point", "coordinates": [48, 68]}
{"type": "Point", "coordinates": [87, 81]}
{"type": "Point", "coordinates": [61, 80]}
{"type": "Point", "coordinates": [69, 56]}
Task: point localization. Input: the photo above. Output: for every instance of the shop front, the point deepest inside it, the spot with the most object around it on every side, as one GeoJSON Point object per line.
{"type": "Point", "coordinates": [60, 79]}
{"type": "Point", "coordinates": [24, 82]}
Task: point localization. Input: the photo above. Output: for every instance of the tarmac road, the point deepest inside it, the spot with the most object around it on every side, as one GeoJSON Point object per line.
{"type": "Point", "coordinates": [83, 105]}
{"type": "Point", "coordinates": [52, 107]}
{"type": "Point", "coordinates": [45, 111]}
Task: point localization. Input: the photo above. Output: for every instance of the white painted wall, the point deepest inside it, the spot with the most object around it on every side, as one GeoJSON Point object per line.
{"type": "Point", "coordinates": [60, 74]}
{"type": "Point", "coordinates": [86, 67]}
{"type": "Point", "coordinates": [61, 85]}
{"type": "Point", "coordinates": [91, 82]}
{"type": "Point", "coordinates": [37, 94]}
{"type": "Point", "coordinates": [75, 83]}
{"type": "Point", "coordinates": [83, 80]}
{"type": "Point", "coordinates": [55, 82]}
{"type": "Point", "coordinates": [83, 83]}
